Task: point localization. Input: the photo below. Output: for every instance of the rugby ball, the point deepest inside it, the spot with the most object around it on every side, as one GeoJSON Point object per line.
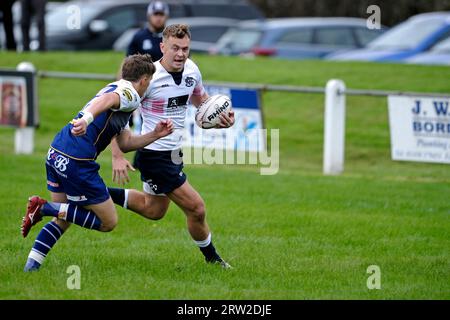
{"type": "Point", "coordinates": [207, 115]}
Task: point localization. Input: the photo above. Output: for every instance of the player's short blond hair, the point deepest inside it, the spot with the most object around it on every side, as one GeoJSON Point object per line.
{"type": "Point", "coordinates": [136, 66]}
{"type": "Point", "coordinates": [177, 31]}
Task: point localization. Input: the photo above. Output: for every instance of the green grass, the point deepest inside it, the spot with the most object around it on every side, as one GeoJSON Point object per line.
{"type": "Point", "coordinates": [294, 235]}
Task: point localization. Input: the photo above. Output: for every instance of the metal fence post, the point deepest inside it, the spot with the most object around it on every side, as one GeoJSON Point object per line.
{"type": "Point", "coordinates": [334, 135]}
{"type": "Point", "coordinates": [24, 137]}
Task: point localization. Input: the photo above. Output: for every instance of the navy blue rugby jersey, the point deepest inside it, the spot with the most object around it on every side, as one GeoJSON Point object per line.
{"type": "Point", "coordinates": [104, 127]}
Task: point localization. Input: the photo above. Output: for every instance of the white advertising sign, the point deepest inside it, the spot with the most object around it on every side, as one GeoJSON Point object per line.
{"type": "Point", "coordinates": [420, 129]}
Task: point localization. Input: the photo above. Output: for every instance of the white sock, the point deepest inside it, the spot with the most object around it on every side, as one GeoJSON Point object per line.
{"type": "Point", "coordinates": [125, 203]}
{"type": "Point", "coordinates": [36, 256]}
{"type": "Point", "coordinates": [204, 243]}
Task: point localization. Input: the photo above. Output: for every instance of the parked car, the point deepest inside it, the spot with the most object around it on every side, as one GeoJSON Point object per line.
{"type": "Point", "coordinates": [103, 21]}
{"type": "Point", "coordinates": [100, 23]}
{"type": "Point", "coordinates": [298, 38]}
{"type": "Point", "coordinates": [439, 54]}
{"type": "Point", "coordinates": [205, 32]}
{"type": "Point", "coordinates": [416, 35]}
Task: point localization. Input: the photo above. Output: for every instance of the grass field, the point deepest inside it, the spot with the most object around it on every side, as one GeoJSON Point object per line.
{"type": "Point", "coordinates": [294, 235]}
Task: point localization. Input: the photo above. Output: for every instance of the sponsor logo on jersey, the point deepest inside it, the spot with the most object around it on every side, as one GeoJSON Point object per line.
{"type": "Point", "coordinates": [76, 198]}
{"type": "Point", "coordinates": [127, 94]}
{"type": "Point", "coordinates": [189, 81]}
{"type": "Point", "coordinates": [53, 184]}
{"type": "Point", "coordinates": [177, 101]}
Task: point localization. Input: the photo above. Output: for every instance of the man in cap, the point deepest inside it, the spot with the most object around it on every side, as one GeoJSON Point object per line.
{"type": "Point", "coordinates": [147, 39]}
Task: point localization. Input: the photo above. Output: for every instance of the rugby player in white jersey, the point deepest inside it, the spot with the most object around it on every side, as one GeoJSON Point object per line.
{"type": "Point", "coordinates": [177, 80]}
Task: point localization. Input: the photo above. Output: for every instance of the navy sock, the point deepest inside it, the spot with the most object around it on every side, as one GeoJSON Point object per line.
{"type": "Point", "coordinates": [207, 248]}
{"type": "Point", "coordinates": [72, 213]}
{"type": "Point", "coordinates": [82, 217]}
{"type": "Point", "coordinates": [45, 240]}
{"type": "Point", "coordinates": [210, 253]}
{"type": "Point", "coordinates": [50, 209]}
{"type": "Point", "coordinates": [119, 196]}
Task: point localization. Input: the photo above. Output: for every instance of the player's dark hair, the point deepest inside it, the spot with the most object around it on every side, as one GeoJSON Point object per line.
{"type": "Point", "coordinates": [136, 66]}
{"type": "Point", "coordinates": [177, 31]}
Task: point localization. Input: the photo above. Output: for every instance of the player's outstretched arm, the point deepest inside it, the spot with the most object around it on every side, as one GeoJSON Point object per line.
{"type": "Point", "coordinates": [129, 142]}
{"type": "Point", "coordinates": [98, 105]}
{"type": "Point", "coordinates": [126, 142]}
{"type": "Point", "coordinates": [120, 165]}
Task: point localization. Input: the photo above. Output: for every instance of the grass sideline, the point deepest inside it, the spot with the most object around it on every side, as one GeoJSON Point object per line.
{"type": "Point", "coordinates": [295, 235]}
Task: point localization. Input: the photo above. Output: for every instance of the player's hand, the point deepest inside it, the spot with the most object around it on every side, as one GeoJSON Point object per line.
{"type": "Point", "coordinates": [120, 167]}
{"type": "Point", "coordinates": [79, 127]}
{"type": "Point", "coordinates": [164, 128]}
{"type": "Point", "coordinates": [226, 120]}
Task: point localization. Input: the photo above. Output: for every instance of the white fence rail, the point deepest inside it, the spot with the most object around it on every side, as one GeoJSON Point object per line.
{"type": "Point", "coordinates": [335, 101]}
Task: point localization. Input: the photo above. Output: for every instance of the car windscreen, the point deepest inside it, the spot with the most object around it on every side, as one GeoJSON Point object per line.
{"type": "Point", "coordinates": [68, 17]}
{"type": "Point", "coordinates": [407, 35]}
{"type": "Point", "coordinates": [239, 40]}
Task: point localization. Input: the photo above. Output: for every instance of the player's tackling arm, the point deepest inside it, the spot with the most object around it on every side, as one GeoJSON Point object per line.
{"type": "Point", "coordinates": [120, 165]}
{"type": "Point", "coordinates": [98, 105]}
{"type": "Point", "coordinates": [129, 142]}
{"type": "Point", "coordinates": [126, 142]}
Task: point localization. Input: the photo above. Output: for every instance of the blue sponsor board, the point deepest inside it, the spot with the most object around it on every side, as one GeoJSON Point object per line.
{"type": "Point", "coordinates": [246, 134]}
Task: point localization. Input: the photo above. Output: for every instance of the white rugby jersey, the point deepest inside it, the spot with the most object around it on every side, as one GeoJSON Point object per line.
{"type": "Point", "coordinates": [164, 99]}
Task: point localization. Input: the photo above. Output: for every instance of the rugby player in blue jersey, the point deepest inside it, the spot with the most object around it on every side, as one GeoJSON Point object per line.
{"type": "Point", "coordinates": [78, 193]}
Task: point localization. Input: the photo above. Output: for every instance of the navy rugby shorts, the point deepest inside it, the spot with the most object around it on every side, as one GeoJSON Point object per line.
{"type": "Point", "coordinates": [78, 179]}
{"type": "Point", "coordinates": [161, 171]}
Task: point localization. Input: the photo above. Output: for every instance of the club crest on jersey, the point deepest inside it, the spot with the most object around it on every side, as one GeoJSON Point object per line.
{"type": "Point", "coordinates": [147, 44]}
{"type": "Point", "coordinates": [127, 94]}
{"type": "Point", "coordinates": [61, 163]}
{"type": "Point", "coordinates": [51, 154]}
{"type": "Point", "coordinates": [189, 81]}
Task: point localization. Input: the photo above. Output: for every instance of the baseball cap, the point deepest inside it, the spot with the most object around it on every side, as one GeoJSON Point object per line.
{"type": "Point", "coordinates": [157, 6]}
